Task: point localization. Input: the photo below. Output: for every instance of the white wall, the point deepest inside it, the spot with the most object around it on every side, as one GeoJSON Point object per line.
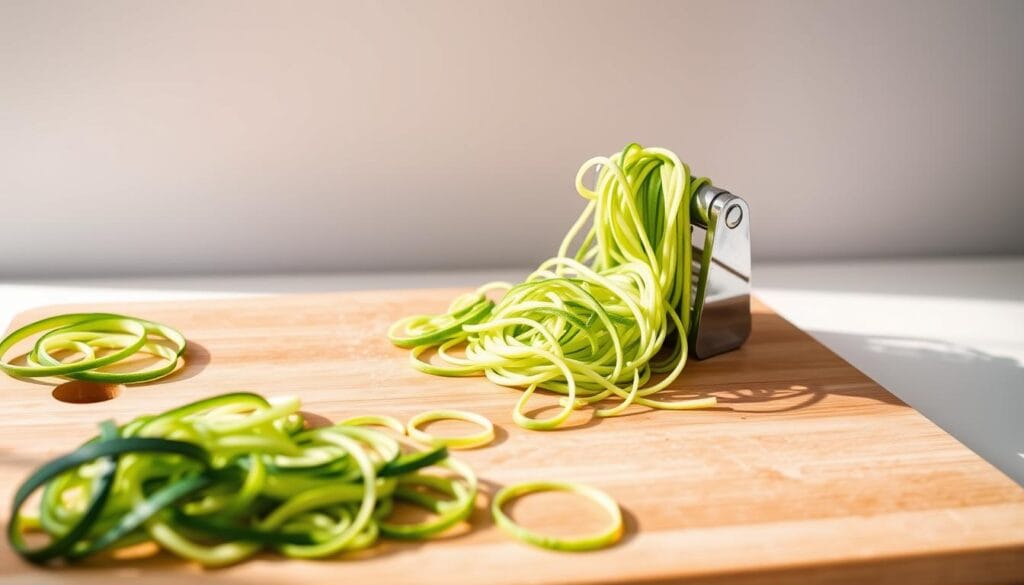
{"type": "Point", "coordinates": [241, 136]}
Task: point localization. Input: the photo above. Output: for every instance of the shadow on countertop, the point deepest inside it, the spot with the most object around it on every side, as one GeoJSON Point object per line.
{"type": "Point", "coordinates": [973, 395]}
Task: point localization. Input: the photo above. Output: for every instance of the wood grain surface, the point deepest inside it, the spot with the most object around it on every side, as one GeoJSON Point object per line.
{"type": "Point", "coordinates": [807, 471]}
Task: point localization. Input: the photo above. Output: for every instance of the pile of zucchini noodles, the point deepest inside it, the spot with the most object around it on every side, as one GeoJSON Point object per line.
{"type": "Point", "coordinates": [594, 324]}
{"type": "Point", "coordinates": [220, 479]}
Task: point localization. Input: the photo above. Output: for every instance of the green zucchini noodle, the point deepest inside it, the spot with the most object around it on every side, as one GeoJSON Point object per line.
{"type": "Point", "coordinates": [84, 333]}
{"type": "Point", "coordinates": [218, 480]}
{"type": "Point", "coordinates": [463, 442]}
{"type": "Point", "coordinates": [606, 537]}
{"type": "Point", "coordinates": [595, 323]}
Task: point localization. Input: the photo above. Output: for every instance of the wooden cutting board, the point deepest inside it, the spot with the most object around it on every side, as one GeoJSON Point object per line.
{"type": "Point", "coordinates": [808, 471]}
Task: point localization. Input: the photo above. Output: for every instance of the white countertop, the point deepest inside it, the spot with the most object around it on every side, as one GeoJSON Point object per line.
{"type": "Point", "coordinates": [945, 336]}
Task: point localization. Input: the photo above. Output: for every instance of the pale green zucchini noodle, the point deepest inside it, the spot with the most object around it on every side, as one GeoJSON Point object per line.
{"type": "Point", "coordinates": [595, 324]}
{"type": "Point", "coordinates": [601, 539]}
{"type": "Point", "coordinates": [478, 439]}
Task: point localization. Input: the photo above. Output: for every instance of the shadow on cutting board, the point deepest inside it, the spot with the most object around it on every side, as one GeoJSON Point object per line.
{"type": "Point", "coordinates": [777, 372]}
{"type": "Point", "coordinates": [196, 358]}
{"type": "Point", "coordinates": [908, 369]}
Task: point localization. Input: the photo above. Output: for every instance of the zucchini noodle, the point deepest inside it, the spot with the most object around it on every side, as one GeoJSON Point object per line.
{"type": "Point", "coordinates": [602, 539]}
{"type": "Point", "coordinates": [595, 324]}
{"type": "Point", "coordinates": [466, 442]}
{"type": "Point", "coordinates": [84, 333]}
{"type": "Point", "coordinates": [219, 480]}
